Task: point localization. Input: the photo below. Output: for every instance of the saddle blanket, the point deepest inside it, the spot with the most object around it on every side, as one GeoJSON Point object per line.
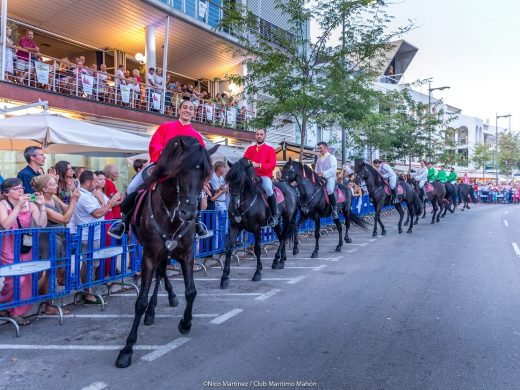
{"type": "Point", "coordinates": [400, 190]}
{"type": "Point", "coordinates": [279, 195]}
{"type": "Point", "coordinates": [340, 196]}
{"type": "Point", "coordinates": [429, 187]}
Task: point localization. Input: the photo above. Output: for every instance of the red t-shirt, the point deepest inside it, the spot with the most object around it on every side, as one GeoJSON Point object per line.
{"type": "Point", "coordinates": [265, 155]}
{"type": "Point", "coordinates": [27, 44]}
{"type": "Point", "coordinates": [110, 190]}
{"type": "Point", "coordinates": [166, 132]}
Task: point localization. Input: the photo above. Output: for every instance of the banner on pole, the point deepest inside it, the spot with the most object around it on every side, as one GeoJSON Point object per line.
{"type": "Point", "coordinates": [88, 83]}
{"type": "Point", "coordinates": [231, 116]}
{"type": "Point", "coordinates": [209, 112]}
{"type": "Point", "coordinates": [42, 72]}
{"type": "Point", "coordinates": [125, 93]}
{"type": "Point", "coordinates": [203, 6]}
{"type": "Point", "coordinates": [156, 101]}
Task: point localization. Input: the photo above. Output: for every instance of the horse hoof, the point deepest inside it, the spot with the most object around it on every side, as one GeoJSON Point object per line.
{"type": "Point", "coordinates": [433, 222]}
{"type": "Point", "coordinates": [281, 265]}
{"type": "Point", "coordinates": [275, 265]}
{"type": "Point", "coordinates": [314, 255]}
{"type": "Point", "coordinates": [383, 233]}
{"type": "Point", "coordinates": [224, 283]}
{"type": "Point", "coordinates": [149, 319]}
{"type": "Point", "coordinates": [374, 234]}
{"type": "Point", "coordinates": [257, 277]}
{"type": "Point", "coordinates": [123, 360]}
{"type": "Point", "coordinates": [424, 216]}
{"type": "Point", "coordinates": [174, 302]}
{"type": "Point", "coordinates": [400, 230]}
{"type": "Point", "coordinates": [295, 251]}
{"type": "Point", "coordinates": [409, 231]}
{"type": "Point", "coordinates": [338, 248]}
{"type": "Point", "coordinates": [348, 240]}
{"type": "Point", "coordinates": [183, 328]}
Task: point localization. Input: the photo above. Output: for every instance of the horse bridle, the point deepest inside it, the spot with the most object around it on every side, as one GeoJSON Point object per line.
{"type": "Point", "coordinates": [236, 205]}
{"type": "Point", "coordinates": [301, 191]}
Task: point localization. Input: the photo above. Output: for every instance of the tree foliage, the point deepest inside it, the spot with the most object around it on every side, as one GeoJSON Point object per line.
{"type": "Point", "coordinates": [508, 152]}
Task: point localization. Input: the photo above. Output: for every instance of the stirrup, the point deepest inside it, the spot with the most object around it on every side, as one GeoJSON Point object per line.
{"type": "Point", "coordinates": [334, 213]}
{"type": "Point", "coordinates": [272, 221]}
{"type": "Point", "coordinates": [202, 232]}
{"type": "Point", "coordinates": [117, 229]}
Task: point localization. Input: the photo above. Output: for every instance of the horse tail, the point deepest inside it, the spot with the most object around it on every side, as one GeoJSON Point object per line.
{"type": "Point", "coordinates": [417, 203]}
{"type": "Point", "coordinates": [472, 194]}
{"type": "Point", "coordinates": [358, 221]}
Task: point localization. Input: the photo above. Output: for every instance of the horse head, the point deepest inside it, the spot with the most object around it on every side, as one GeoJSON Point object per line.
{"type": "Point", "coordinates": [240, 177]}
{"type": "Point", "coordinates": [290, 171]}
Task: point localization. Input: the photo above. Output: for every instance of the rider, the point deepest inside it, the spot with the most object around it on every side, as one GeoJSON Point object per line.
{"type": "Point", "coordinates": [441, 175]}
{"type": "Point", "coordinates": [164, 133]}
{"type": "Point", "coordinates": [431, 172]}
{"type": "Point", "coordinates": [420, 176]}
{"type": "Point", "coordinates": [263, 158]}
{"type": "Point", "coordinates": [326, 167]}
{"type": "Point", "coordinates": [388, 173]}
{"type": "Point", "coordinates": [452, 179]}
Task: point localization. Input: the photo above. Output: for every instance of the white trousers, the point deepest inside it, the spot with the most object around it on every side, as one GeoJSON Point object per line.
{"type": "Point", "coordinates": [267, 185]}
{"type": "Point", "coordinates": [331, 183]}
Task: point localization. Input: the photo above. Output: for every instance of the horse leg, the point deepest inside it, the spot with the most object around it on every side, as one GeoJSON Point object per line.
{"type": "Point", "coordinates": [172, 298]}
{"type": "Point", "coordinates": [190, 292]}
{"type": "Point", "coordinates": [400, 210]}
{"type": "Point", "coordinates": [232, 237]}
{"type": "Point", "coordinates": [317, 237]}
{"type": "Point", "coordinates": [441, 209]}
{"type": "Point", "coordinates": [407, 218]}
{"type": "Point", "coordinates": [346, 214]}
{"type": "Point", "coordinates": [338, 226]}
{"type": "Point", "coordinates": [424, 208]}
{"type": "Point", "coordinates": [434, 205]}
{"type": "Point", "coordinates": [258, 252]}
{"type": "Point", "coordinates": [149, 316]}
{"type": "Point", "coordinates": [296, 241]}
{"type": "Point", "coordinates": [125, 355]}
{"type": "Point", "coordinates": [411, 213]}
{"type": "Point", "coordinates": [383, 230]}
{"type": "Point", "coordinates": [277, 264]}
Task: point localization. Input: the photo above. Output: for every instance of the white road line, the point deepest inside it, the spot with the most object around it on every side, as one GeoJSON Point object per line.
{"type": "Point", "coordinates": [516, 248]}
{"type": "Point", "coordinates": [317, 258]}
{"type": "Point", "coordinates": [506, 223]}
{"type": "Point", "coordinates": [319, 268]}
{"type": "Point", "coordinates": [76, 347]}
{"type": "Point", "coordinates": [103, 316]}
{"type": "Point", "coordinates": [296, 280]}
{"type": "Point", "coordinates": [267, 295]}
{"type": "Point", "coordinates": [243, 279]}
{"type": "Point", "coordinates": [372, 239]}
{"type": "Point", "coordinates": [286, 267]}
{"type": "Point", "coordinates": [150, 357]}
{"type": "Point", "coordinates": [226, 316]}
{"type": "Point", "coordinates": [506, 212]}
{"type": "Point", "coordinates": [181, 294]}
{"type": "Point", "coordinates": [363, 244]}
{"type": "Point", "coordinates": [352, 250]}
{"type": "Point", "coordinates": [95, 386]}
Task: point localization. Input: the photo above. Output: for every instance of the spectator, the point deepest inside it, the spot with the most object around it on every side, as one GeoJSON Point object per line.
{"type": "Point", "coordinates": [16, 212]}
{"type": "Point", "coordinates": [26, 55]}
{"type": "Point", "coordinates": [58, 215]}
{"type": "Point", "coordinates": [77, 173]}
{"type": "Point", "coordinates": [218, 186]}
{"type": "Point", "coordinates": [136, 78]}
{"type": "Point", "coordinates": [9, 52]}
{"type": "Point", "coordinates": [139, 164]}
{"type": "Point", "coordinates": [110, 189]}
{"type": "Point", "coordinates": [102, 78]}
{"type": "Point", "coordinates": [88, 210]}
{"type": "Point", "coordinates": [150, 87]}
{"type": "Point", "coordinates": [209, 195]}
{"type": "Point", "coordinates": [35, 161]}
{"type": "Point", "coordinates": [158, 80]}
{"type": "Point", "coordinates": [66, 182]}
{"type": "Point", "coordinates": [120, 80]}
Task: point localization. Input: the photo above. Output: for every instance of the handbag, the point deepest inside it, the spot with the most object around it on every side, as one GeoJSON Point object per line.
{"type": "Point", "coordinates": [26, 246]}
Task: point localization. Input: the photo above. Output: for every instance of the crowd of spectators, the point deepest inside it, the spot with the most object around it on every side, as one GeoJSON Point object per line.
{"type": "Point", "coordinates": [503, 192]}
{"type": "Point", "coordinates": [65, 76]}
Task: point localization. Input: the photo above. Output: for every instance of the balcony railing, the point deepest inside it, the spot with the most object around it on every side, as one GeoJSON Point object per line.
{"type": "Point", "coordinates": [65, 78]}
{"type": "Point", "coordinates": [206, 11]}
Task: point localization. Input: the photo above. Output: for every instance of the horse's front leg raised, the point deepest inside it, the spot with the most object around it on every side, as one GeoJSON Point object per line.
{"type": "Point", "coordinates": [258, 252]}
{"type": "Point", "coordinates": [125, 355]}
{"type": "Point", "coordinates": [190, 292]}
{"type": "Point", "coordinates": [317, 238]}
{"type": "Point", "coordinates": [277, 264]}
{"type": "Point", "coordinates": [231, 238]}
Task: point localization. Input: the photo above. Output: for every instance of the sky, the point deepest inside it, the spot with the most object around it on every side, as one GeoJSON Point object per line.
{"type": "Point", "coordinates": [471, 46]}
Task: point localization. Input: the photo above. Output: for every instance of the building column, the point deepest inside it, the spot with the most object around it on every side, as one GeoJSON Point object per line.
{"type": "Point", "coordinates": [3, 34]}
{"type": "Point", "coordinates": [165, 62]}
{"type": "Point", "coordinates": [149, 48]}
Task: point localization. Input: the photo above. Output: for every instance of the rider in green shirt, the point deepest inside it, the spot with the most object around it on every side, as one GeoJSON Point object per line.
{"type": "Point", "coordinates": [431, 172]}
{"type": "Point", "coordinates": [452, 177]}
{"type": "Point", "coordinates": [441, 175]}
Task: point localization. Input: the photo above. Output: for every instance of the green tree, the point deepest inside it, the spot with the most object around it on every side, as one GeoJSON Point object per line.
{"type": "Point", "coordinates": [288, 75]}
{"type": "Point", "coordinates": [508, 152]}
{"type": "Point", "coordinates": [481, 155]}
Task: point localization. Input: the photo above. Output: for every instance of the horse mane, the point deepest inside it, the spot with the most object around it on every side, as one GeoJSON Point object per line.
{"type": "Point", "coordinates": [180, 155]}
{"type": "Point", "coordinates": [378, 179]}
{"type": "Point", "coordinates": [240, 171]}
{"type": "Point", "coordinates": [309, 172]}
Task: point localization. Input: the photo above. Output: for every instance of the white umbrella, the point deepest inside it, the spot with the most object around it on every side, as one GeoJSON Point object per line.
{"type": "Point", "coordinates": [58, 134]}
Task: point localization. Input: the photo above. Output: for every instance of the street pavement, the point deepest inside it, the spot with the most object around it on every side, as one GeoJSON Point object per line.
{"type": "Point", "coordinates": [437, 309]}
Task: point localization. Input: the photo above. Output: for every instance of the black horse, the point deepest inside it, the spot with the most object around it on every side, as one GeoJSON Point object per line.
{"type": "Point", "coordinates": [248, 210]}
{"type": "Point", "coordinates": [467, 194]}
{"type": "Point", "coordinates": [418, 205]}
{"type": "Point", "coordinates": [436, 198]}
{"type": "Point", "coordinates": [166, 229]}
{"type": "Point", "coordinates": [449, 198]}
{"type": "Point", "coordinates": [379, 198]}
{"type": "Point", "coordinates": [313, 203]}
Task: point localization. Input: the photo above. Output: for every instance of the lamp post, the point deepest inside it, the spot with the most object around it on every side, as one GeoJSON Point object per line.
{"type": "Point", "coordinates": [495, 163]}
{"type": "Point", "coordinates": [430, 90]}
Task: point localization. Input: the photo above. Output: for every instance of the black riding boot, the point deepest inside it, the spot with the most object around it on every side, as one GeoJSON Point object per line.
{"type": "Point", "coordinates": [273, 221]}
{"type": "Point", "coordinates": [118, 228]}
{"type": "Point", "coordinates": [395, 199]}
{"type": "Point", "coordinates": [334, 208]}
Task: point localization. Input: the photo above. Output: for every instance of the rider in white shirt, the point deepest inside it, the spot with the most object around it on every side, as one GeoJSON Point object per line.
{"type": "Point", "coordinates": [326, 167]}
{"type": "Point", "coordinates": [421, 176]}
{"type": "Point", "coordinates": [388, 173]}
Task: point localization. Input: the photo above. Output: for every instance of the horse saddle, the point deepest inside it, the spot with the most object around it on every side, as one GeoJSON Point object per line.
{"type": "Point", "coordinates": [279, 196]}
{"type": "Point", "coordinates": [340, 196]}
{"type": "Point", "coordinates": [429, 187]}
{"type": "Point", "coordinates": [138, 207]}
{"type": "Point", "coordinates": [400, 190]}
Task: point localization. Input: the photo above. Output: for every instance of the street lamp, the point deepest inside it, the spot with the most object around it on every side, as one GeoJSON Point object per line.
{"type": "Point", "coordinates": [495, 163]}
{"type": "Point", "coordinates": [430, 90]}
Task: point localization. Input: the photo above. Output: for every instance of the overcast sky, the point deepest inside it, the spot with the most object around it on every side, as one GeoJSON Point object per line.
{"type": "Point", "coordinates": [471, 46]}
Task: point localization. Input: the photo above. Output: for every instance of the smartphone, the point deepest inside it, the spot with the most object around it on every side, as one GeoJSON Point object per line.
{"type": "Point", "coordinates": [33, 198]}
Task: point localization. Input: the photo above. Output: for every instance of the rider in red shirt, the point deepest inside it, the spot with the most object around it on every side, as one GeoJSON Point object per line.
{"type": "Point", "coordinates": [263, 158]}
{"type": "Point", "coordinates": [163, 134]}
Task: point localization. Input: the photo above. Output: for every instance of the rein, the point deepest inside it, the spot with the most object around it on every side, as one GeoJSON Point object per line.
{"type": "Point", "coordinates": [238, 216]}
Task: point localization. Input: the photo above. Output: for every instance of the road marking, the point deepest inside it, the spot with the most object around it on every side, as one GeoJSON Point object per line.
{"type": "Point", "coordinates": [267, 295]}
{"type": "Point", "coordinates": [363, 244]}
{"type": "Point", "coordinates": [506, 212]}
{"type": "Point", "coordinates": [181, 294]}
{"type": "Point", "coordinates": [243, 279]}
{"type": "Point", "coordinates": [126, 315]}
{"type": "Point", "coordinates": [316, 258]}
{"type": "Point", "coordinates": [516, 249]}
{"type": "Point", "coordinates": [226, 316]}
{"type": "Point", "coordinates": [506, 223]}
{"type": "Point", "coordinates": [352, 250]}
{"type": "Point", "coordinates": [319, 268]}
{"type": "Point", "coordinates": [372, 239]}
{"type": "Point", "coordinates": [95, 386]}
{"type": "Point", "coordinates": [150, 357]}
{"type": "Point", "coordinates": [286, 267]}
{"type": "Point", "coordinates": [77, 347]}
{"type": "Point", "coordinates": [296, 280]}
